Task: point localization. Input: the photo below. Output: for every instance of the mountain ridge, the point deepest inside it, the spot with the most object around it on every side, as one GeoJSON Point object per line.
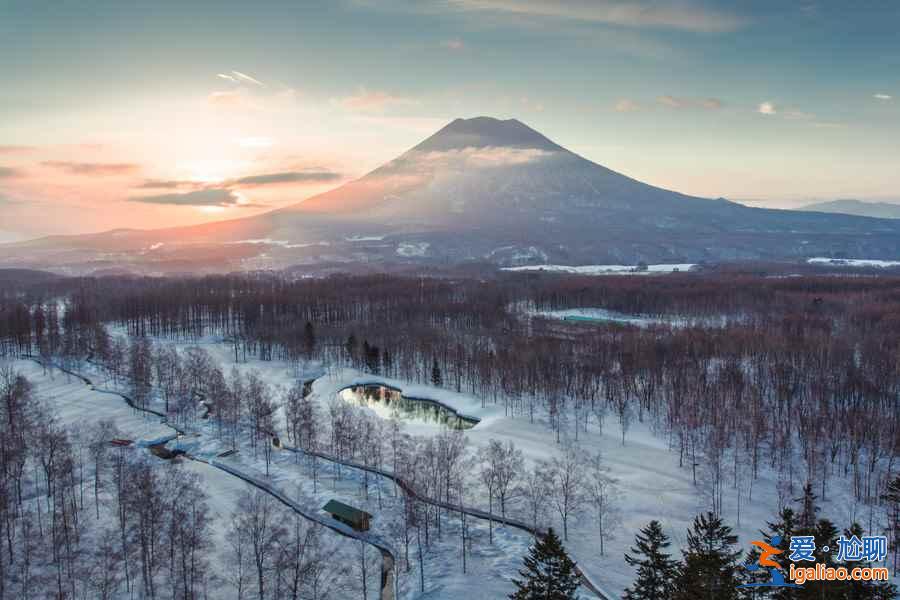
{"type": "Point", "coordinates": [487, 190]}
{"type": "Point", "coordinates": [860, 208]}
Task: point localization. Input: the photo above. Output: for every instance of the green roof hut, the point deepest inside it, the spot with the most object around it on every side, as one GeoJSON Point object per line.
{"type": "Point", "coordinates": [346, 514]}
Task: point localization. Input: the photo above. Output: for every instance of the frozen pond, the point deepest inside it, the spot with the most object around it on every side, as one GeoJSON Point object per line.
{"type": "Point", "coordinates": [601, 315]}
{"type": "Point", "coordinates": [389, 403]}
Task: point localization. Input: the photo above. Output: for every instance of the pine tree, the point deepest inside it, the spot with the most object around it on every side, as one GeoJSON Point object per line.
{"type": "Point", "coordinates": [437, 380]}
{"type": "Point", "coordinates": [549, 573]}
{"type": "Point", "coordinates": [710, 562]}
{"type": "Point", "coordinates": [891, 498]}
{"type": "Point", "coordinates": [781, 530]}
{"type": "Point", "coordinates": [861, 590]}
{"type": "Point", "coordinates": [656, 571]}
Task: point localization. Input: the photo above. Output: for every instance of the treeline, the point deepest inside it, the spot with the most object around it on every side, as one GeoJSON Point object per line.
{"type": "Point", "coordinates": [803, 384]}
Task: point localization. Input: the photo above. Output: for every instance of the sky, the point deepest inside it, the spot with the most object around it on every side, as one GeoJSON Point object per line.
{"type": "Point", "coordinates": [156, 114]}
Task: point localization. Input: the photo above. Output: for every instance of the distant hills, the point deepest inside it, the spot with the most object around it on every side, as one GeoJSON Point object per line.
{"type": "Point", "coordinates": [480, 190]}
{"type": "Point", "coordinates": [879, 210]}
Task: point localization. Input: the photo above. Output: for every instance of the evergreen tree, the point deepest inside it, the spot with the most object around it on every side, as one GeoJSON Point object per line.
{"type": "Point", "coordinates": [710, 562]}
{"type": "Point", "coordinates": [656, 571]}
{"type": "Point", "coordinates": [861, 590]}
{"type": "Point", "coordinates": [781, 531]}
{"type": "Point", "coordinates": [549, 573]}
{"type": "Point", "coordinates": [891, 498]}
{"type": "Point", "coordinates": [437, 379]}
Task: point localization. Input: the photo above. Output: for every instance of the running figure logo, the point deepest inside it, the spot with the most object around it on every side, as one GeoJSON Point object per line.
{"type": "Point", "coordinates": [765, 561]}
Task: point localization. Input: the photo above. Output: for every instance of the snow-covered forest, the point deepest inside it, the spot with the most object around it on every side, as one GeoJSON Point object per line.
{"type": "Point", "coordinates": [177, 438]}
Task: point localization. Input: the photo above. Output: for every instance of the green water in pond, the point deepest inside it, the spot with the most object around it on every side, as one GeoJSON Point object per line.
{"type": "Point", "coordinates": [389, 403]}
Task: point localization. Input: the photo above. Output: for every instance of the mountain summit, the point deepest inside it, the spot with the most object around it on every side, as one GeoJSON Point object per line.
{"type": "Point", "coordinates": [485, 132]}
{"type": "Point", "coordinates": [480, 190]}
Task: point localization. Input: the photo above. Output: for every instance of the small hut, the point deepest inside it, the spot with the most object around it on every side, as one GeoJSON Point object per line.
{"type": "Point", "coordinates": [346, 514]}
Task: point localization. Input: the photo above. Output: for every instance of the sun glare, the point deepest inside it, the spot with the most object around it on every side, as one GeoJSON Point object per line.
{"type": "Point", "coordinates": [212, 170]}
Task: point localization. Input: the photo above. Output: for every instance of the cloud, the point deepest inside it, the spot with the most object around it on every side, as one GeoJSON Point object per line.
{"type": "Point", "coordinates": [167, 184]}
{"type": "Point", "coordinates": [671, 102]}
{"type": "Point", "coordinates": [9, 172]}
{"type": "Point", "coordinates": [669, 14]}
{"type": "Point", "coordinates": [222, 197]}
{"type": "Point", "coordinates": [238, 77]}
{"type": "Point", "coordinates": [704, 103]}
{"type": "Point", "coordinates": [7, 200]}
{"type": "Point", "coordinates": [767, 108]}
{"type": "Point", "coordinates": [627, 105]}
{"type": "Point", "coordinates": [289, 177]}
{"type": "Point", "coordinates": [79, 168]}
{"type": "Point", "coordinates": [883, 97]}
{"type": "Point", "coordinates": [247, 78]}
{"type": "Point", "coordinates": [453, 44]}
{"type": "Point", "coordinates": [373, 101]}
{"type": "Point", "coordinates": [475, 158]}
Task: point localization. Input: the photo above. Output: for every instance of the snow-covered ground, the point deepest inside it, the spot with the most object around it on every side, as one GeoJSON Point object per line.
{"type": "Point", "coordinates": [853, 262]}
{"type": "Point", "coordinates": [651, 484]}
{"type": "Point", "coordinates": [607, 269]}
{"type": "Point", "coordinates": [75, 402]}
{"type": "Point", "coordinates": [611, 316]}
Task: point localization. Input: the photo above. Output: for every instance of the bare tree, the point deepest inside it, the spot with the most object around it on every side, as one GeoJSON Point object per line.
{"type": "Point", "coordinates": [602, 494]}
{"type": "Point", "coordinates": [566, 481]}
{"type": "Point", "coordinates": [256, 522]}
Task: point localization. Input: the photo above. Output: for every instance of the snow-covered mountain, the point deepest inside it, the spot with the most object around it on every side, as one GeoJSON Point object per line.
{"type": "Point", "coordinates": [484, 190]}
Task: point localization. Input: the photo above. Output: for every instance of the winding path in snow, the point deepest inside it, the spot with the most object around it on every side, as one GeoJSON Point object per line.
{"type": "Point", "coordinates": [387, 553]}
{"type": "Point", "coordinates": [472, 512]}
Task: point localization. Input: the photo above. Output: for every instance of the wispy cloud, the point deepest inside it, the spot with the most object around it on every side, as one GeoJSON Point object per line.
{"type": "Point", "coordinates": [767, 108]}
{"type": "Point", "coordinates": [883, 97]}
{"type": "Point", "coordinates": [9, 172]}
{"type": "Point", "coordinates": [475, 158]}
{"type": "Point", "coordinates": [247, 78]}
{"type": "Point", "coordinates": [374, 101]}
{"type": "Point", "coordinates": [221, 197]}
{"type": "Point", "coordinates": [453, 44]}
{"type": "Point", "coordinates": [626, 105]}
{"type": "Point", "coordinates": [788, 113]}
{"type": "Point", "coordinates": [703, 103]}
{"type": "Point", "coordinates": [289, 177]}
{"type": "Point", "coordinates": [672, 102]}
{"type": "Point", "coordinates": [238, 77]}
{"type": "Point", "coordinates": [82, 168]}
{"type": "Point", "coordinates": [168, 184]}
{"type": "Point", "coordinates": [670, 14]}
